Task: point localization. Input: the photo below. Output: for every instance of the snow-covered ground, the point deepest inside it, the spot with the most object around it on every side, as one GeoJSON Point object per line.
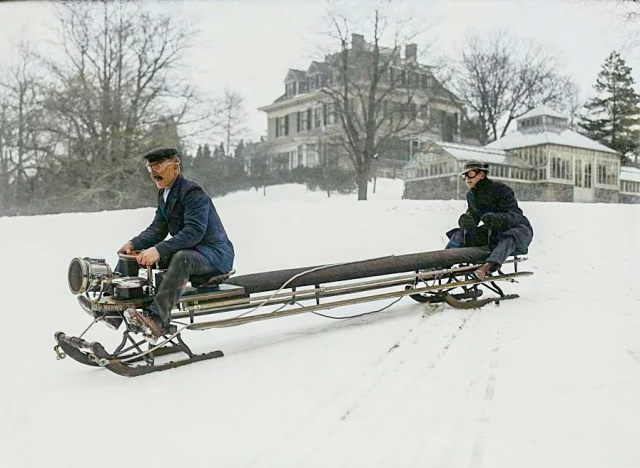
{"type": "Point", "coordinates": [549, 380]}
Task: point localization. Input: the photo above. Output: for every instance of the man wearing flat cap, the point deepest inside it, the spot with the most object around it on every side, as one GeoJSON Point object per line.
{"type": "Point", "coordinates": [505, 229]}
{"type": "Point", "coordinates": [199, 244]}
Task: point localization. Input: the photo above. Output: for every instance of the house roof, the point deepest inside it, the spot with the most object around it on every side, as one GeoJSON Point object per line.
{"type": "Point", "coordinates": [491, 156]}
{"type": "Point", "coordinates": [547, 134]}
{"type": "Point", "coordinates": [541, 110]}
{"type": "Point", "coordinates": [294, 74]}
{"type": "Point", "coordinates": [629, 173]}
{"type": "Point", "coordinates": [281, 98]}
{"type": "Point", "coordinates": [285, 100]}
{"type": "Point", "coordinates": [321, 67]}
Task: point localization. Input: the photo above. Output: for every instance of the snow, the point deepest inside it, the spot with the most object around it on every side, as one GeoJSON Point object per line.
{"type": "Point", "coordinates": [547, 134]}
{"type": "Point", "coordinates": [550, 379]}
{"type": "Point", "coordinates": [541, 110]}
{"type": "Point", "coordinates": [630, 173]}
{"type": "Point", "coordinates": [492, 156]}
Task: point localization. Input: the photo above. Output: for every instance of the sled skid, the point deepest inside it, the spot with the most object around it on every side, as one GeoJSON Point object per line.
{"type": "Point", "coordinates": [475, 304]}
{"type": "Point", "coordinates": [437, 298]}
{"type": "Point", "coordinates": [94, 354]}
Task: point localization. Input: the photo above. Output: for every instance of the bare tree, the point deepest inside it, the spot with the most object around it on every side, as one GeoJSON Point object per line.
{"type": "Point", "coordinates": [258, 155]}
{"type": "Point", "coordinates": [501, 80]}
{"type": "Point", "coordinates": [5, 178]}
{"type": "Point", "coordinates": [114, 86]}
{"type": "Point", "coordinates": [21, 144]}
{"type": "Point", "coordinates": [571, 102]}
{"type": "Point", "coordinates": [629, 12]}
{"type": "Point", "coordinates": [233, 118]}
{"type": "Point", "coordinates": [375, 94]}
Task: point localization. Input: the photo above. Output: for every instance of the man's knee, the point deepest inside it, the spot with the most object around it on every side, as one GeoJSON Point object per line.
{"type": "Point", "coordinates": [181, 256]}
{"type": "Point", "coordinates": [182, 261]}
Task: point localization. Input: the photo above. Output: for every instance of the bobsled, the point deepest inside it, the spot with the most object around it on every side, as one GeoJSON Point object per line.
{"type": "Point", "coordinates": [444, 277]}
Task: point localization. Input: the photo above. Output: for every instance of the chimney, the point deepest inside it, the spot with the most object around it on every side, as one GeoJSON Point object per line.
{"type": "Point", "coordinates": [411, 52]}
{"type": "Point", "coordinates": [357, 42]}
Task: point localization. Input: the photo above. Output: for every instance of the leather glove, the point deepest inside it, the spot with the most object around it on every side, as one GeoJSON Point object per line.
{"type": "Point", "coordinates": [467, 221]}
{"type": "Point", "coordinates": [493, 221]}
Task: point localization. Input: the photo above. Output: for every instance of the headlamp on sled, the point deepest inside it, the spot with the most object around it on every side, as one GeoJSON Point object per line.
{"type": "Point", "coordinates": [88, 274]}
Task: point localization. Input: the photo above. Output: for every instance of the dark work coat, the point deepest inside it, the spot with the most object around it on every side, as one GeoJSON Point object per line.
{"type": "Point", "coordinates": [191, 219]}
{"type": "Point", "coordinates": [489, 196]}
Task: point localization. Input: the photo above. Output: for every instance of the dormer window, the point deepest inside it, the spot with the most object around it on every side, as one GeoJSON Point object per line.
{"type": "Point", "coordinates": [316, 81]}
{"type": "Point", "coordinates": [290, 89]}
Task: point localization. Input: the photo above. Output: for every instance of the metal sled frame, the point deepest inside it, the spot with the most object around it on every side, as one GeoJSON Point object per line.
{"type": "Point", "coordinates": [243, 300]}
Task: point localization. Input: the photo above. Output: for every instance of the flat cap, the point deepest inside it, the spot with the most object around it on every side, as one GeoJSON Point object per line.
{"type": "Point", "coordinates": [160, 153]}
{"type": "Point", "coordinates": [475, 165]}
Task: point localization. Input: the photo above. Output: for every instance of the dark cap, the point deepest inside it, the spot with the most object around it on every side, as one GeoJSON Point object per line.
{"type": "Point", "coordinates": [160, 153]}
{"type": "Point", "coordinates": [475, 165]}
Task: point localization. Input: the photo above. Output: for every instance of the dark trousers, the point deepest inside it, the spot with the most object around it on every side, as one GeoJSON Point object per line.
{"type": "Point", "coordinates": [502, 246]}
{"type": "Point", "coordinates": [478, 237]}
{"type": "Point", "coordinates": [182, 265]}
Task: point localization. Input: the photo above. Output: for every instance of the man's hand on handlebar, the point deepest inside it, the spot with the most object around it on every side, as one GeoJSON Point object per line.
{"type": "Point", "coordinates": [148, 257]}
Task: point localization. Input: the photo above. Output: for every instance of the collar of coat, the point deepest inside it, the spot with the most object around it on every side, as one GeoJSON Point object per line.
{"type": "Point", "coordinates": [176, 184]}
{"type": "Point", "coordinates": [172, 197]}
{"type": "Point", "coordinates": [481, 185]}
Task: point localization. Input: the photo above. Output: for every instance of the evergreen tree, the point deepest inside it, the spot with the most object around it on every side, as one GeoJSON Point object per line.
{"type": "Point", "coordinates": [239, 151]}
{"type": "Point", "coordinates": [218, 151]}
{"type": "Point", "coordinates": [613, 113]}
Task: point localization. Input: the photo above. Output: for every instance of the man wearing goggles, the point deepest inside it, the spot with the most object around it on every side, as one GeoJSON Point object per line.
{"type": "Point", "coordinates": [505, 229]}
{"type": "Point", "coordinates": [159, 167]}
{"type": "Point", "coordinates": [199, 244]}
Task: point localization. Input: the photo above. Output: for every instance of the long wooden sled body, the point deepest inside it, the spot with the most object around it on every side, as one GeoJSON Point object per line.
{"type": "Point", "coordinates": [443, 276]}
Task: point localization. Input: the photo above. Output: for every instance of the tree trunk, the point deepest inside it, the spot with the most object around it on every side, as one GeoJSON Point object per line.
{"type": "Point", "coordinates": [362, 180]}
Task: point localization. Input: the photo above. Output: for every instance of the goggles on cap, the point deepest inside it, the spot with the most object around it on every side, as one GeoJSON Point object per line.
{"type": "Point", "coordinates": [158, 167]}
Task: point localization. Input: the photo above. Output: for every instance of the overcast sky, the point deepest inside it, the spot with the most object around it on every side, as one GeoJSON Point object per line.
{"type": "Point", "coordinates": [248, 45]}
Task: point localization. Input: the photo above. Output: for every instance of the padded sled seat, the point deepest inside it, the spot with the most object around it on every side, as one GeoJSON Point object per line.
{"type": "Point", "coordinates": [207, 281]}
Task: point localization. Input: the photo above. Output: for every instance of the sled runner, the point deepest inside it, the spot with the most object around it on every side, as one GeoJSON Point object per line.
{"type": "Point", "coordinates": [443, 276]}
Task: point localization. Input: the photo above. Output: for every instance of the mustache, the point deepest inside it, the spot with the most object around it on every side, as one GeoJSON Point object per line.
{"type": "Point", "coordinates": [156, 177]}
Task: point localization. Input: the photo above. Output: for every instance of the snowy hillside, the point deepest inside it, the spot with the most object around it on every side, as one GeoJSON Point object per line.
{"type": "Point", "coordinates": [548, 380]}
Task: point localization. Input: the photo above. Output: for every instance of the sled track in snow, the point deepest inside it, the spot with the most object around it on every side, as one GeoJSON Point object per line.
{"type": "Point", "coordinates": [334, 407]}
{"type": "Point", "coordinates": [416, 353]}
{"type": "Point", "coordinates": [375, 376]}
{"type": "Point", "coordinates": [436, 381]}
{"type": "Point", "coordinates": [485, 417]}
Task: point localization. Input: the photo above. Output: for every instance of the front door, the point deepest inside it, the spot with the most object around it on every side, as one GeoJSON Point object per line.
{"type": "Point", "coordinates": [583, 183]}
